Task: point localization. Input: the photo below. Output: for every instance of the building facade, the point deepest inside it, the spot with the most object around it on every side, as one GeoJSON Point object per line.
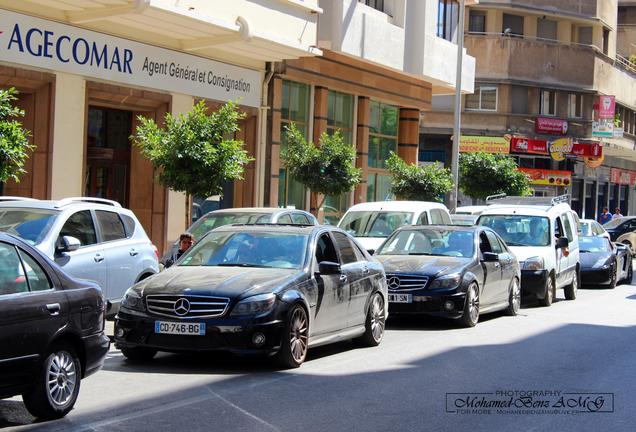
{"type": "Point", "coordinates": [86, 71]}
{"type": "Point", "coordinates": [382, 63]}
{"type": "Point", "coordinates": [545, 70]}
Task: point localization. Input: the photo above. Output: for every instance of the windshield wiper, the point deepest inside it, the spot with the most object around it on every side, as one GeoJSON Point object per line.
{"type": "Point", "coordinates": [509, 243]}
{"type": "Point", "coordinates": [421, 253]}
{"type": "Point", "coordinates": [242, 265]}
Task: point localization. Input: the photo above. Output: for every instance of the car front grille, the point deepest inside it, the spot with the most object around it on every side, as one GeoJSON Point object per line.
{"type": "Point", "coordinates": [187, 306]}
{"type": "Point", "coordinates": [405, 282]}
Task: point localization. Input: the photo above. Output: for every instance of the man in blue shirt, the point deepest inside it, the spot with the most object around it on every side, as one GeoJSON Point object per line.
{"type": "Point", "coordinates": [605, 217]}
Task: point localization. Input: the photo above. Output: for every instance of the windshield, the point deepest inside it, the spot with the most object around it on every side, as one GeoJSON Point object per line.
{"type": "Point", "coordinates": [586, 228]}
{"type": "Point", "coordinates": [31, 225]}
{"type": "Point", "coordinates": [208, 222]}
{"type": "Point", "coordinates": [615, 222]}
{"type": "Point", "coordinates": [429, 241]}
{"type": "Point", "coordinates": [519, 230]}
{"type": "Point", "coordinates": [594, 244]}
{"type": "Point", "coordinates": [374, 223]}
{"type": "Point", "coordinates": [249, 249]}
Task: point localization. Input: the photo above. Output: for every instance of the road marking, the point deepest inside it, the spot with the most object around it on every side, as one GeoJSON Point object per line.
{"type": "Point", "coordinates": [247, 413]}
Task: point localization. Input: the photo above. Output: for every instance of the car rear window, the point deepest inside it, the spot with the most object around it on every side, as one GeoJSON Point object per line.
{"type": "Point", "coordinates": [110, 225]}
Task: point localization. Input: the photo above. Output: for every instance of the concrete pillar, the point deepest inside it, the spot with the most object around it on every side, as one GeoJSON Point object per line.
{"type": "Point", "coordinates": [321, 98]}
{"type": "Point", "coordinates": [494, 21]}
{"type": "Point", "coordinates": [277, 89]}
{"type": "Point", "coordinates": [69, 134]}
{"type": "Point", "coordinates": [176, 204]}
{"type": "Point", "coordinates": [362, 148]}
{"type": "Point", "coordinates": [415, 34]}
{"type": "Point", "coordinates": [564, 31]}
{"type": "Point", "coordinates": [409, 134]}
{"type": "Point", "coordinates": [530, 26]}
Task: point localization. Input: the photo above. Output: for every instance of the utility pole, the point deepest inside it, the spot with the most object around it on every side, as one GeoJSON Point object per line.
{"type": "Point", "coordinates": [451, 201]}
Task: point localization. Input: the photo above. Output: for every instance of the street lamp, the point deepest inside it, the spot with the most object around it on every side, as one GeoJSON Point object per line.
{"type": "Point", "coordinates": [452, 199]}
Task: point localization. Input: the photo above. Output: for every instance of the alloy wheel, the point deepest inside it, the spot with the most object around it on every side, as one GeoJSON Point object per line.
{"type": "Point", "coordinates": [61, 377]}
{"type": "Point", "coordinates": [377, 317]}
{"type": "Point", "coordinates": [473, 303]}
{"type": "Point", "coordinates": [516, 296]}
{"type": "Point", "coordinates": [298, 335]}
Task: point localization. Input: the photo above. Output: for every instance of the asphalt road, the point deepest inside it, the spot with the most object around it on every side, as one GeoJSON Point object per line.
{"type": "Point", "coordinates": [571, 348]}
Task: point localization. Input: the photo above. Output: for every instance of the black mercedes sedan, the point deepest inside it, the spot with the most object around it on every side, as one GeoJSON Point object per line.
{"type": "Point", "coordinates": [258, 289]}
{"type": "Point", "coordinates": [604, 263]}
{"type": "Point", "coordinates": [51, 330]}
{"type": "Point", "coordinates": [452, 271]}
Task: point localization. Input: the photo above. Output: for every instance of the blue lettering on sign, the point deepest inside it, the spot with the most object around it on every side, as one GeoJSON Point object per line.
{"type": "Point", "coordinates": [41, 43]}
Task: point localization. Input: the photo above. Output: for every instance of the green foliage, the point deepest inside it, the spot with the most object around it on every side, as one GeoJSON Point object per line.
{"type": "Point", "coordinates": [327, 169]}
{"type": "Point", "coordinates": [194, 153]}
{"type": "Point", "coordinates": [14, 139]}
{"type": "Point", "coordinates": [632, 59]}
{"type": "Point", "coordinates": [482, 174]}
{"type": "Point", "coordinates": [617, 120]}
{"type": "Point", "coordinates": [427, 183]}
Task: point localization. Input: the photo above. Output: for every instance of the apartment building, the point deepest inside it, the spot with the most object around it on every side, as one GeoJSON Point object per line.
{"type": "Point", "coordinates": [382, 61]}
{"type": "Point", "coordinates": [85, 71]}
{"type": "Point", "coordinates": [547, 75]}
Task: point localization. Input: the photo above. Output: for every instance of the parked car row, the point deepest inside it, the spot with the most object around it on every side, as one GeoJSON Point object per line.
{"type": "Point", "coordinates": [269, 282]}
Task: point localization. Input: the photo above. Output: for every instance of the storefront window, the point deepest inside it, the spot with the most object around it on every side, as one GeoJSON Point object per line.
{"type": "Point", "coordinates": [383, 138]}
{"type": "Point", "coordinates": [339, 117]}
{"type": "Point", "coordinates": [378, 187]}
{"type": "Point", "coordinates": [294, 109]}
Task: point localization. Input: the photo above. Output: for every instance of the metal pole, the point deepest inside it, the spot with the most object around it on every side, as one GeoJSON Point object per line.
{"type": "Point", "coordinates": [452, 199]}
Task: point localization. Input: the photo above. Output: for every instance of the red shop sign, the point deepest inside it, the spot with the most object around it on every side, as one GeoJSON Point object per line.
{"type": "Point", "coordinates": [623, 177]}
{"type": "Point", "coordinates": [528, 145]}
{"type": "Point", "coordinates": [552, 126]}
{"type": "Point", "coordinates": [593, 150]}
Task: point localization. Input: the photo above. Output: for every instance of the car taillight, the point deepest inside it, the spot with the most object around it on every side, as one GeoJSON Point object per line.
{"type": "Point", "coordinates": [156, 251]}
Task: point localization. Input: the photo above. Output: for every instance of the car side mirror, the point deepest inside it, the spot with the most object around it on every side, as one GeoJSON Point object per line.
{"type": "Point", "coordinates": [490, 257]}
{"type": "Point", "coordinates": [328, 268]}
{"type": "Point", "coordinates": [562, 242]}
{"type": "Point", "coordinates": [68, 244]}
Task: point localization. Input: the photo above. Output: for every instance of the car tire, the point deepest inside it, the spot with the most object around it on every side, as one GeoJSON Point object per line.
{"type": "Point", "coordinates": [514, 298]}
{"type": "Point", "coordinates": [374, 323]}
{"type": "Point", "coordinates": [548, 297]}
{"type": "Point", "coordinates": [572, 290]}
{"type": "Point", "coordinates": [630, 271]}
{"type": "Point", "coordinates": [54, 398]}
{"type": "Point", "coordinates": [138, 354]}
{"type": "Point", "coordinates": [470, 317]}
{"type": "Point", "coordinates": [614, 279]}
{"type": "Point", "coordinates": [294, 343]}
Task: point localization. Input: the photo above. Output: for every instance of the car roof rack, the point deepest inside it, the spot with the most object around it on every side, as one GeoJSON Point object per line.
{"type": "Point", "coordinates": [495, 196]}
{"type": "Point", "coordinates": [529, 200]}
{"type": "Point", "coordinates": [72, 200]}
{"type": "Point", "coordinates": [16, 198]}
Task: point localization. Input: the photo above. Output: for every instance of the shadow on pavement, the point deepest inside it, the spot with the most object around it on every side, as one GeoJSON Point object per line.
{"type": "Point", "coordinates": [407, 394]}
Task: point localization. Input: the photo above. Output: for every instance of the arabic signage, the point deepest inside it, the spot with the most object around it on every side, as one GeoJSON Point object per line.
{"type": "Point", "coordinates": [594, 162]}
{"type": "Point", "coordinates": [603, 122]}
{"type": "Point", "coordinates": [548, 177]}
{"type": "Point", "coordinates": [542, 147]}
{"type": "Point", "coordinates": [560, 147]}
{"type": "Point", "coordinates": [552, 126]}
{"type": "Point", "coordinates": [54, 46]}
{"type": "Point", "coordinates": [474, 144]}
{"type": "Point", "coordinates": [623, 177]}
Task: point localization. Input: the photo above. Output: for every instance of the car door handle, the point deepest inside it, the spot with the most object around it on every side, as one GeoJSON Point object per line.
{"type": "Point", "coordinates": [98, 258]}
{"type": "Point", "coordinates": [53, 308]}
{"type": "Point", "coordinates": [365, 270]}
{"type": "Point", "coordinates": [133, 252]}
{"type": "Point", "coordinates": [343, 278]}
{"type": "Point", "coordinates": [496, 265]}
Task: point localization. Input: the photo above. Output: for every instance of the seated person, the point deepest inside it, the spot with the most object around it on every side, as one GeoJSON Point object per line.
{"type": "Point", "coordinates": [460, 243]}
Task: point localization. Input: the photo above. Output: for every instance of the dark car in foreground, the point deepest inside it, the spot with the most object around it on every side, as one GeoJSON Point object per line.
{"type": "Point", "coordinates": [258, 289]}
{"type": "Point", "coordinates": [51, 330]}
{"type": "Point", "coordinates": [604, 263]}
{"type": "Point", "coordinates": [451, 271]}
{"type": "Point", "coordinates": [247, 215]}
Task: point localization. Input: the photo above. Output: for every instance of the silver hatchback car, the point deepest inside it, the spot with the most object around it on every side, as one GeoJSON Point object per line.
{"type": "Point", "coordinates": [90, 238]}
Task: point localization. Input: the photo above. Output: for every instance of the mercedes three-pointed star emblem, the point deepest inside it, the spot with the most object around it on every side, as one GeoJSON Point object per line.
{"type": "Point", "coordinates": [182, 307]}
{"type": "Point", "coordinates": [393, 282]}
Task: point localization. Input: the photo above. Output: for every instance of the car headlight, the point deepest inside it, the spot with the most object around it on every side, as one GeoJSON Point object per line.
{"type": "Point", "coordinates": [447, 282]}
{"type": "Point", "coordinates": [254, 305]}
{"type": "Point", "coordinates": [601, 263]}
{"type": "Point", "coordinates": [533, 263]}
{"type": "Point", "coordinates": [132, 300]}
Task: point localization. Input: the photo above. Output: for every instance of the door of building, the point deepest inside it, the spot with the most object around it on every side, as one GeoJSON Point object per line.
{"type": "Point", "coordinates": [108, 154]}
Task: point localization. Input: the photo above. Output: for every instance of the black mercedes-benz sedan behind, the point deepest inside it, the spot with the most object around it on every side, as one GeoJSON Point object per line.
{"type": "Point", "coordinates": [51, 330]}
{"type": "Point", "coordinates": [452, 271]}
{"type": "Point", "coordinates": [257, 289]}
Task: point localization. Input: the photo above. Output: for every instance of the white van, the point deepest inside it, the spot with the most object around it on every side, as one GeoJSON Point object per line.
{"type": "Point", "coordinates": [372, 222]}
{"type": "Point", "coordinates": [544, 237]}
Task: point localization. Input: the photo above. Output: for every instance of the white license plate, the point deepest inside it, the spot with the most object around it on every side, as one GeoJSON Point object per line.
{"type": "Point", "coordinates": [177, 328]}
{"type": "Point", "coordinates": [400, 298]}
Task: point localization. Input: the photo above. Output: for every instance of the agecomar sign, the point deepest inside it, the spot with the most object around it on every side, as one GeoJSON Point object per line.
{"type": "Point", "coordinates": [45, 44]}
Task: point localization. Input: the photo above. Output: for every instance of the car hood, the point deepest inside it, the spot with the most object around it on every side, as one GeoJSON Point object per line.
{"type": "Point", "coordinates": [429, 265]}
{"type": "Point", "coordinates": [588, 259]}
{"type": "Point", "coordinates": [370, 243]}
{"type": "Point", "coordinates": [524, 252]}
{"type": "Point", "coordinates": [219, 281]}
